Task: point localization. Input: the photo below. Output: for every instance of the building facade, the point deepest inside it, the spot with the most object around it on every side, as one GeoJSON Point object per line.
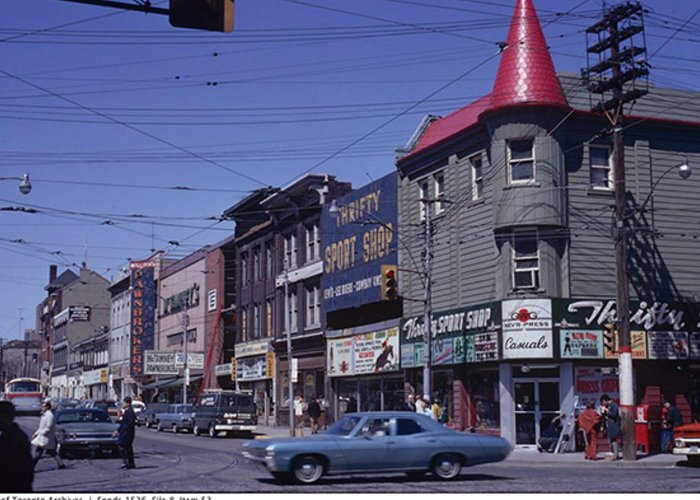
{"type": "Point", "coordinates": [517, 188]}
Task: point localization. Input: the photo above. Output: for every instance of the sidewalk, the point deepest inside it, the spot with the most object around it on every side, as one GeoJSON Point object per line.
{"type": "Point", "coordinates": [529, 454]}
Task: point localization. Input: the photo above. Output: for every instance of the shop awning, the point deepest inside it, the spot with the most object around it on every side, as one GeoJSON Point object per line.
{"type": "Point", "coordinates": [158, 383]}
{"type": "Point", "coordinates": [177, 382]}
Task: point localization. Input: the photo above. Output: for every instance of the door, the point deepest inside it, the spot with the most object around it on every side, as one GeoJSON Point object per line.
{"type": "Point", "coordinates": [368, 449]}
{"type": "Point", "coordinates": [536, 403]}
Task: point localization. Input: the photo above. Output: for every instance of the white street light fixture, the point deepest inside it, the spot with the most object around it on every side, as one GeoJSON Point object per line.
{"type": "Point", "coordinates": [25, 186]}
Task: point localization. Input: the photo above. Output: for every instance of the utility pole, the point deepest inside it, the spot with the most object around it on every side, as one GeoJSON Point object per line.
{"type": "Point", "coordinates": [185, 320]}
{"type": "Point", "coordinates": [615, 73]}
{"type": "Point", "coordinates": [2, 366]}
{"type": "Point", "coordinates": [287, 328]}
{"type": "Point", "coordinates": [428, 305]}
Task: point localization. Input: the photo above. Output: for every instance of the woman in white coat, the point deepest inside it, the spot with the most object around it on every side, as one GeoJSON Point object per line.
{"type": "Point", "coordinates": [44, 439]}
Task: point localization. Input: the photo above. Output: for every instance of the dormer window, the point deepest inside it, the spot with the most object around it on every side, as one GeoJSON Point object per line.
{"type": "Point", "coordinates": [521, 161]}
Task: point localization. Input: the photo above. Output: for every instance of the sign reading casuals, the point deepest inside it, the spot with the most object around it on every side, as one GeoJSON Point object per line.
{"type": "Point", "coordinates": [356, 241]}
{"type": "Point", "coordinates": [527, 328]}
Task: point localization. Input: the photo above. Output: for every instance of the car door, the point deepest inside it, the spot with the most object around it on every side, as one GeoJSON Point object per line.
{"type": "Point", "coordinates": [368, 448]}
{"type": "Point", "coordinates": [412, 445]}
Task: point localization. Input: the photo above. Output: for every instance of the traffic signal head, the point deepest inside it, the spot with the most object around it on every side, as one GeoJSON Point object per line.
{"type": "Point", "coordinates": [212, 15]}
{"type": "Point", "coordinates": [389, 282]}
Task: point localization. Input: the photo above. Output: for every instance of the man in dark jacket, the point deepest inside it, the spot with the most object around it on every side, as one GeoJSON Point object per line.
{"type": "Point", "coordinates": [126, 433]}
{"type": "Point", "coordinates": [314, 411]}
{"type": "Point", "coordinates": [16, 463]}
{"type": "Point", "coordinates": [611, 418]}
{"type": "Point", "coordinates": [672, 419]}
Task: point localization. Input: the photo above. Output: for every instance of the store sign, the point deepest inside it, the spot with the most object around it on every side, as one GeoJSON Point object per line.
{"type": "Point", "coordinates": [366, 353]}
{"type": "Point", "coordinates": [457, 335]}
{"type": "Point", "coordinates": [194, 360]}
{"type": "Point", "coordinates": [160, 363]}
{"type": "Point", "coordinates": [72, 314]}
{"type": "Point", "coordinates": [95, 377]}
{"type": "Point", "coordinates": [668, 345]}
{"type": "Point", "coordinates": [591, 383]}
{"type": "Point", "coordinates": [252, 368]}
{"type": "Point", "coordinates": [356, 241]}
{"type": "Point", "coordinates": [143, 306]}
{"type": "Point", "coordinates": [182, 300]}
{"type": "Point", "coordinates": [643, 315]}
{"type": "Point", "coordinates": [527, 328]}
{"type": "Point", "coordinates": [223, 370]}
{"type": "Point", "coordinates": [254, 348]}
{"type": "Point", "coordinates": [581, 343]}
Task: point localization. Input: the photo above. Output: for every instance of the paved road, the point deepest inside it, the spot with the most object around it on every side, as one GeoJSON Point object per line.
{"type": "Point", "coordinates": [186, 463]}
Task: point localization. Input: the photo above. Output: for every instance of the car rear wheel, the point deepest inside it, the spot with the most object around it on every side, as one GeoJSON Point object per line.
{"type": "Point", "coordinates": [446, 466]}
{"type": "Point", "coordinates": [212, 432]}
{"type": "Point", "coordinates": [196, 431]}
{"type": "Point", "coordinates": [159, 427]}
{"type": "Point", "coordinates": [307, 469]}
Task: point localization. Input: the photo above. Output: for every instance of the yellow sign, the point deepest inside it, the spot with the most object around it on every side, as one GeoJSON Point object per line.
{"type": "Point", "coordinates": [270, 365]}
{"type": "Point", "coordinates": [103, 376]}
{"type": "Point", "coordinates": [638, 340]}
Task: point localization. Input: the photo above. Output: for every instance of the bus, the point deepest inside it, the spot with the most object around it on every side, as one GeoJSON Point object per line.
{"type": "Point", "coordinates": [25, 394]}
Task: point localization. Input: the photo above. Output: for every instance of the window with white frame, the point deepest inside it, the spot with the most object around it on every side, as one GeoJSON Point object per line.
{"type": "Point", "coordinates": [290, 250]}
{"type": "Point", "coordinates": [211, 300]}
{"type": "Point", "coordinates": [600, 162]}
{"type": "Point", "coordinates": [291, 310]}
{"type": "Point", "coordinates": [269, 270]}
{"type": "Point", "coordinates": [423, 194]}
{"type": "Point", "coordinates": [269, 312]}
{"type": "Point", "coordinates": [439, 180]}
{"type": "Point", "coordinates": [313, 242]}
{"type": "Point", "coordinates": [477, 177]}
{"type": "Point", "coordinates": [521, 161]}
{"type": "Point", "coordinates": [244, 268]}
{"type": "Point", "coordinates": [257, 320]}
{"type": "Point", "coordinates": [313, 307]}
{"type": "Point", "coordinates": [257, 265]}
{"type": "Point", "coordinates": [526, 261]}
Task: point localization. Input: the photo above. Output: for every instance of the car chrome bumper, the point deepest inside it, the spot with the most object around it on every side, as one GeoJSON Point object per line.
{"type": "Point", "coordinates": [234, 427]}
{"type": "Point", "coordinates": [690, 451]}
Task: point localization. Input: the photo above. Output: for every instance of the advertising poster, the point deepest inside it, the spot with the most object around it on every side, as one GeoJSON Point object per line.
{"type": "Point", "coordinates": [527, 328]}
{"type": "Point", "coordinates": [638, 338]}
{"type": "Point", "coordinates": [694, 344]}
{"type": "Point", "coordinates": [376, 351]}
{"type": "Point", "coordinates": [250, 368]}
{"type": "Point", "coordinates": [668, 345]}
{"type": "Point", "coordinates": [592, 383]}
{"type": "Point", "coordinates": [442, 351]}
{"type": "Point", "coordinates": [340, 357]}
{"type": "Point", "coordinates": [581, 343]}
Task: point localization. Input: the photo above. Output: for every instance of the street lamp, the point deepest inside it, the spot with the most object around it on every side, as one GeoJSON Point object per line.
{"type": "Point", "coordinates": [684, 172]}
{"type": "Point", "coordinates": [25, 185]}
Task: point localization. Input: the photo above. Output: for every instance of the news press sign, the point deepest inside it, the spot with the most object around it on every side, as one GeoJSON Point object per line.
{"type": "Point", "coordinates": [527, 328]}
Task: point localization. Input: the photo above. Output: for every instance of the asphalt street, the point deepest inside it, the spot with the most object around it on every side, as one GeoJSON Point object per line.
{"type": "Point", "coordinates": [185, 463]}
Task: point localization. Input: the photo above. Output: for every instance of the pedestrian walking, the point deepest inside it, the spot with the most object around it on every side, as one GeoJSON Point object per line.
{"type": "Point", "coordinates": [314, 411]}
{"type": "Point", "coordinates": [409, 404]}
{"type": "Point", "coordinates": [44, 438]}
{"type": "Point", "coordinates": [671, 419]}
{"type": "Point", "coordinates": [16, 464]}
{"type": "Point", "coordinates": [589, 422]}
{"type": "Point", "coordinates": [611, 419]}
{"type": "Point", "coordinates": [299, 407]}
{"type": "Point", "coordinates": [126, 434]}
{"type": "Point", "coordinates": [420, 404]}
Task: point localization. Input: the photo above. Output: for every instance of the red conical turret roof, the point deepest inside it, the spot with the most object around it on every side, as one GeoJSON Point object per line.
{"type": "Point", "coordinates": [526, 73]}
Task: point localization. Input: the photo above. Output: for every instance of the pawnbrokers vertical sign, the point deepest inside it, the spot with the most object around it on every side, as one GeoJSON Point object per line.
{"type": "Point", "coordinates": [357, 239]}
{"type": "Point", "coordinates": [143, 302]}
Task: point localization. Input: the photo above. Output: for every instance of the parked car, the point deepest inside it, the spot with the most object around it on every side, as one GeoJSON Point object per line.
{"type": "Point", "coordinates": [686, 441]}
{"type": "Point", "coordinates": [224, 411]}
{"type": "Point", "coordinates": [177, 417]}
{"type": "Point", "coordinates": [377, 442]}
{"type": "Point", "coordinates": [108, 405]}
{"type": "Point", "coordinates": [147, 416]}
{"type": "Point", "coordinates": [137, 406]}
{"type": "Point", "coordinates": [61, 404]}
{"type": "Point", "coordinates": [88, 430]}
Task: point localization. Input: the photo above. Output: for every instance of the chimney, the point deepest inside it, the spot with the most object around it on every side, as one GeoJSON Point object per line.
{"type": "Point", "coordinates": [53, 270]}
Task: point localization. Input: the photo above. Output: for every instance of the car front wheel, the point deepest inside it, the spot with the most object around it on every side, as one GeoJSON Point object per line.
{"type": "Point", "coordinates": [446, 466]}
{"type": "Point", "coordinates": [308, 469]}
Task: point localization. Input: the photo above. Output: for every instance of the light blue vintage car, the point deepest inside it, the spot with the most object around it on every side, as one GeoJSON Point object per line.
{"type": "Point", "coordinates": [177, 417]}
{"type": "Point", "coordinates": [377, 442]}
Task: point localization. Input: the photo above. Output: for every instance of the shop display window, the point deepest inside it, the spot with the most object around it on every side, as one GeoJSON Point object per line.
{"type": "Point", "coordinates": [483, 410]}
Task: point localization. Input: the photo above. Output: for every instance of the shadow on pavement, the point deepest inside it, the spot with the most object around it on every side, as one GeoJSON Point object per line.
{"type": "Point", "coordinates": [331, 480]}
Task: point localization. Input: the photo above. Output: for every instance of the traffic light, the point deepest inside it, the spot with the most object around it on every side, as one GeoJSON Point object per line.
{"type": "Point", "coordinates": [389, 282]}
{"type": "Point", "coordinates": [233, 369]}
{"type": "Point", "coordinates": [212, 15]}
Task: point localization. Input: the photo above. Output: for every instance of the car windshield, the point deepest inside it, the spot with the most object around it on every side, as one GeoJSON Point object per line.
{"type": "Point", "coordinates": [344, 426]}
{"type": "Point", "coordinates": [71, 417]}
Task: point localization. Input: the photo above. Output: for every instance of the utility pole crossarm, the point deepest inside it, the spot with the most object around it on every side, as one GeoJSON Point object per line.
{"type": "Point", "coordinates": [145, 7]}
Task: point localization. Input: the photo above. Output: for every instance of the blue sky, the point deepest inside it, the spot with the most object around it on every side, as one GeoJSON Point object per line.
{"type": "Point", "coordinates": [110, 111]}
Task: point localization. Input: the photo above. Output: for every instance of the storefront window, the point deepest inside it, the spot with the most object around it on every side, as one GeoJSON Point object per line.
{"type": "Point", "coordinates": [483, 410]}
{"type": "Point", "coordinates": [370, 395]}
{"type": "Point", "coordinates": [393, 394]}
{"type": "Point", "coordinates": [347, 396]}
{"type": "Point", "coordinates": [443, 393]}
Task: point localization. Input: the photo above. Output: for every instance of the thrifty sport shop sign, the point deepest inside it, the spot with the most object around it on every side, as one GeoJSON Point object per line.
{"type": "Point", "coordinates": [143, 306]}
{"type": "Point", "coordinates": [356, 241]}
{"type": "Point", "coordinates": [463, 335]}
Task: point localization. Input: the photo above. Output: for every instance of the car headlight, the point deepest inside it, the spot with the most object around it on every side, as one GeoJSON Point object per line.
{"type": "Point", "coordinates": [679, 443]}
{"type": "Point", "coordinates": [269, 452]}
